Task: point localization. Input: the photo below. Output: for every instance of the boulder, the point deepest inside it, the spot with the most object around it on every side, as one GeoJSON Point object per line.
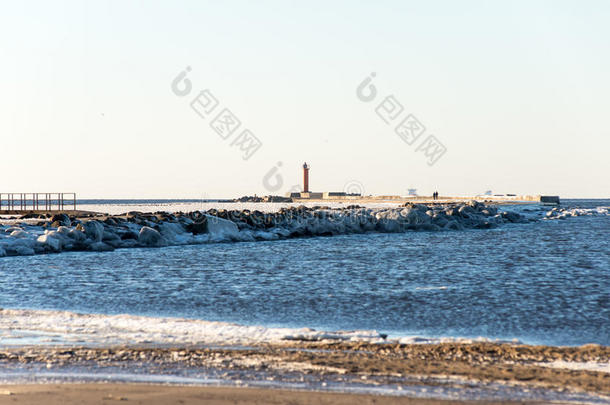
{"type": "Point", "coordinates": [451, 211]}
{"type": "Point", "coordinates": [150, 237]}
{"type": "Point", "coordinates": [22, 250]}
{"type": "Point", "coordinates": [77, 235]}
{"type": "Point", "coordinates": [389, 225]}
{"type": "Point", "coordinates": [32, 216]}
{"type": "Point", "coordinates": [198, 224]}
{"type": "Point", "coordinates": [476, 205]}
{"type": "Point", "coordinates": [453, 225]}
{"type": "Point", "coordinates": [218, 227]}
{"type": "Point", "coordinates": [112, 239]}
{"type": "Point", "coordinates": [64, 230]}
{"type": "Point", "coordinates": [51, 240]}
{"type": "Point", "coordinates": [100, 247]}
{"type": "Point", "coordinates": [19, 233]}
{"type": "Point", "coordinates": [429, 227]}
{"type": "Point", "coordinates": [511, 216]}
{"type": "Point", "coordinates": [110, 221]}
{"type": "Point", "coordinates": [61, 220]}
{"type": "Point", "coordinates": [185, 220]}
{"type": "Point", "coordinates": [110, 236]}
{"type": "Point", "coordinates": [94, 230]}
{"type": "Point", "coordinates": [171, 229]}
{"type": "Point", "coordinates": [490, 210]}
{"type": "Point", "coordinates": [415, 216]}
{"type": "Point", "coordinates": [129, 243]}
{"type": "Point", "coordinates": [129, 235]}
{"type": "Point", "coordinates": [466, 211]}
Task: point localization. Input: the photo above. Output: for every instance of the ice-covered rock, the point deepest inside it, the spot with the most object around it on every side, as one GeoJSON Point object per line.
{"type": "Point", "coordinates": [21, 250]}
{"type": "Point", "coordinates": [221, 228]}
{"type": "Point", "coordinates": [174, 232]}
{"type": "Point", "coordinates": [511, 216]}
{"type": "Point", "coordinates": [19, 233]}
{"type": "Point", "coordinates": [52, 240]}
{"type": "Point", "coordinates": [262, 235]}
{"type": "Point", "coordinates": [389, 225]}
{"type": "Point", "coordinates": [64, 230]}
{"type": "Point", "coordinates": [100, 247]}
{"type": "Point", "coordinates": [154, 230]}
{"type": "Point", "coordinates": [61, 220]}
{"type": "Point", "coordinates": [563, 213]}
{"type": "Point", "coordinates": [453, 225]}
{"type": "Point", "coordinates": [94, 230]}
{"type": "Point", "coordinates": [77, 235]}
{"type": "Point", "coordinates": [150, 237]}
{"type": "Point", "coordinates": [110, 236]}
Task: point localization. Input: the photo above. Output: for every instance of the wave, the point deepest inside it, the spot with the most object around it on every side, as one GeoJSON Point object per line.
{"type": "Point", "coordinates": [22, 327]}
{"type": "Point", "coordinates": [563, 213]}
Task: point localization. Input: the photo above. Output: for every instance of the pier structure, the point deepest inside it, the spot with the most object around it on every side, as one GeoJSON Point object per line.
{"type": "Point", "coordinates": [26, 202]}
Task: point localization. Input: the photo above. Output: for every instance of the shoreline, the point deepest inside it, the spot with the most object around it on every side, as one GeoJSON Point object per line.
{"type": "Point", "coordinates": [492, 371]}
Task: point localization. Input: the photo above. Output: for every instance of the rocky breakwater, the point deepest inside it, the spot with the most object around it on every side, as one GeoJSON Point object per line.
{"type": "Point", "coordinates": [265, 199]}
{"type": "Point", "coordinates": [106, 233]}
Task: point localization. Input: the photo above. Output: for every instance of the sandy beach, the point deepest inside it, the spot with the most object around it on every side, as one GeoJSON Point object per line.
{"type": "Point", "coordinates": [68, 394]}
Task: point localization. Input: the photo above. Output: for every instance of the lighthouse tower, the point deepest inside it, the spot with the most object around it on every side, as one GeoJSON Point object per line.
{"type": "Point", "coordinates": [305, 178]}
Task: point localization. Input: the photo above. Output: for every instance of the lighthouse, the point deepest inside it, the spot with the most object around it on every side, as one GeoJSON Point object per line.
{"type": "Point", "coordinates": [305, 178]}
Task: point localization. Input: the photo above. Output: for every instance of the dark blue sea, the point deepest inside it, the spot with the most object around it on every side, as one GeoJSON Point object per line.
{"type": "Point", "coordinates": [543, 282]}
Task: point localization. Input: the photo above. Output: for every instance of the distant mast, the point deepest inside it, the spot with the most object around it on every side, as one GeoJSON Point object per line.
{"type": "Point", "coordinates": [305, 178]}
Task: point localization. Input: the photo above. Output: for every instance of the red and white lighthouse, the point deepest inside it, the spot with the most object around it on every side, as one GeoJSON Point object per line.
{"type": "Point", "coordinates": [305, 178]}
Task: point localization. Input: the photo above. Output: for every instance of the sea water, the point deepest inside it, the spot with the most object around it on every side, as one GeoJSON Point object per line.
{"type": "Point", "coordinates": [543, 282]}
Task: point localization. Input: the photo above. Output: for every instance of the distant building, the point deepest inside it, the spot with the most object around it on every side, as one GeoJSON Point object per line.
{"type": "Point", "coordinates": [307, 194]}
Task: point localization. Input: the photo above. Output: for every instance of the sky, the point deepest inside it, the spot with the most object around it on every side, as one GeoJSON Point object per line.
{"type": "Point", "coordinates": [512, 97]}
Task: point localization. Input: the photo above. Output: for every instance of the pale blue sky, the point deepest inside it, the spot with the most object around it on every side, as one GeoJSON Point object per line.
{"type": "Point", "coordinates": [516, 91]}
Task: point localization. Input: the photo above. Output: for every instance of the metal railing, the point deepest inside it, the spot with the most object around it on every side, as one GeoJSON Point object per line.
{"type": "Point", "coordinates": [37, 201]}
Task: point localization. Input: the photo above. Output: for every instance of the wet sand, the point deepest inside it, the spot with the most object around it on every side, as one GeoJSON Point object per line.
{"type": "Point", "coordinates": [68, 394]}
{"type": "Point", "coordinates": [454, 365]}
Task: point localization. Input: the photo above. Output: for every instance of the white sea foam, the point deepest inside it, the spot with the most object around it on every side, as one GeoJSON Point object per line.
{"type": "Point", "coordinates": [22, 327]}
